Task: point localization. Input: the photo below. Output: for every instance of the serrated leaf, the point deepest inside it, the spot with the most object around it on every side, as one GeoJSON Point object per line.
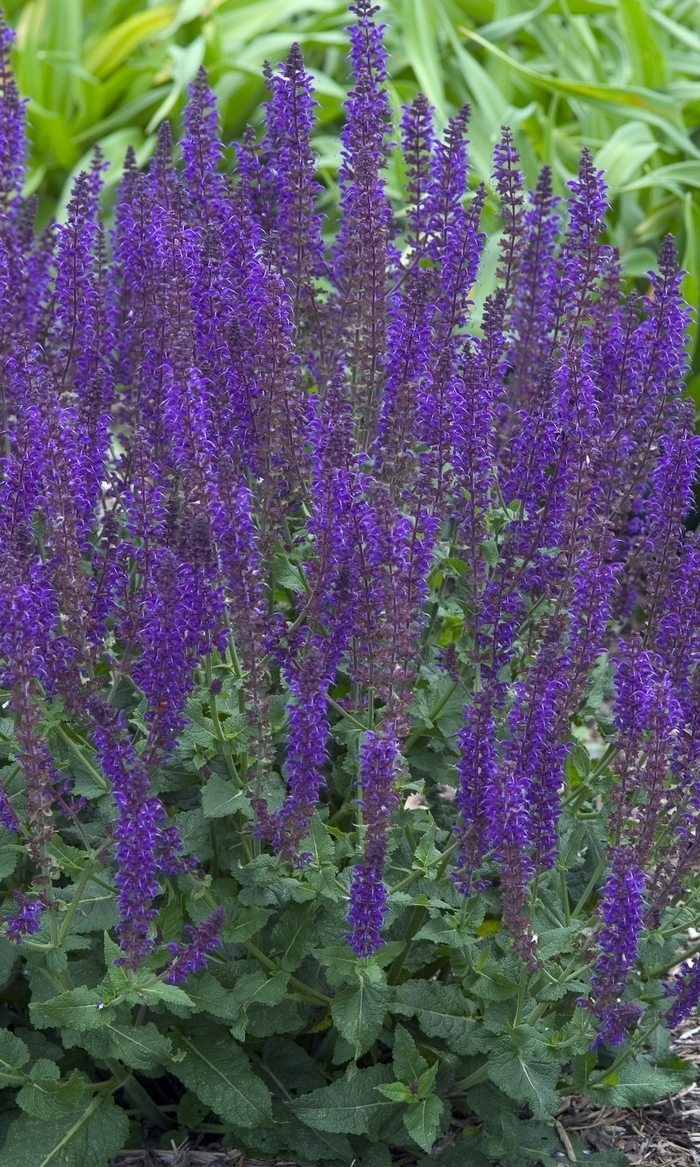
{"type": "Point", "coordinates": [396, 1091]}
{"type": "Point", "coordinates": [206, 993]}
{"type": "Point", "coordinates": [48, 1096]}
{"type": "Point", "coordinates": [13, 1055]}
{"type": "Point", "coordinates": [293, 936]}
{"type": "Point", "coordinates": [170, 994]}
{"type": "Point", "coordinates": [81, 1138]}
{"type": "Point", "coordinates": [422, 1120]}
{"type": "Point", "coordinates": [408, 1063]}
{"type": "Point", "coordinates": [79, 1009]}
{"type": "Point", "coordinates": [358, 1012]}
{"type": "Point", "coordinates": [349, 1106]}
{"type": "Point", "coordinates": [9, 955]}
{"type": "Point", "coordinates": [525, 1079]}
{"type": "Point", "coordinates": [9, 857]}
{"type": "Point", "coordinates": [218, 1072]}
{"type": "Point", "coordinates": [260, 988]}
{"type": "Point", "coordinates": [638, 1082]}
{"type": "Point", "coordinates": [247, 922]}
{"type": "Point", "coordinates": [441, 1011]}
{"type": "Point", "coordinates": [294, 1067]}
{"type": "Point", "coordinates": [139, 1046]}
{"type": "Point", "coordinates": [220, 798]}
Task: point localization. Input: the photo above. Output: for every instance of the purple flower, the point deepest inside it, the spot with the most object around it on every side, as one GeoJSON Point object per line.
{"type": "Point", "coordinates": [290, 172]}
{"type": "Point", "coordinates": [379, 759]}
{"type": "Point", "coordinates": [180, 615]}
{"type": "Point", "coordinates": [418, 144]}
{"type": "Point", "coordinates": [685, 994]}
{"type": "Point", "coordinates": [191, 957]}
{"type": "Point", "coordinates": [622, 913]}
{"type": "Point", "coordinates": [145, 846]}
{"type": "Point", "coordinates": [13, 143]}
{"type": "Point", "coordinates": [508, 181]}
{"type": "Point", "coordinates": [361, 255]}
{"type": "Point", "coordinates": [26, 920]}
{"type": "Point", "coordinates": [476, 773]}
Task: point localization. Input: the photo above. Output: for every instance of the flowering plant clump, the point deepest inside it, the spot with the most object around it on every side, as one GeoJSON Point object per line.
{"type": "Point", "coordinates": [350, 783]}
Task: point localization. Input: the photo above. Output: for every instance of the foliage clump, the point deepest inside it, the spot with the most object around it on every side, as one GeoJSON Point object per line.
{"type": "Point", "coordinates": [350, 786]}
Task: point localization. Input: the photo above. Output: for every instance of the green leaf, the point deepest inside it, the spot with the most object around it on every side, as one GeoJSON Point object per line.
{"type": "Point", "coordinates": [79, 1009]}
{"type": "Point", "coordinates": [247, 922]}
{"type": "Point", "coordinates": [525, 1079]}
{"type": "Point", "coordinates": [673, 177]}
{"type": "Point", "coordinates": [293, 937]}
{"type": "Point", "coordinates": [441, 1011]}
{"type": "Point", "coordinates": [220, 798]}
{"type": "Point", "coordinates": [637, 1083]}
{"type": "Point", "coordinates": [498, 980]}
{"type": "Point", "coordinates": [408, 1063]}
{"type": "Point", "coordinates": [120, 42]}
{"type": "Point", "coordinates": [653, 106]}
{"type": "Point", "coordinates": [358, 1012]}
{"type": "Point", "coordinates": [642, 41]}
{"type": "Point", "coordinates": [625, 152]}
{"type": "Point", "coordinates": [48, 1096]}
{"type": "Point", "coordinates": [422, 50]}
{"type": "Point", "coordinates": [691, 264]}
{"type": "Point", "coordinates": [9, 854]}
{"type": "Point", "coordinates": [294, 1067]}
{"type": "Point", "coordinates": [207, 994]}
{"type": "Point", "coordinates": [396, 1091]}
{"type": "Point", "coordinates": [13, 1055]}
{"type": "Point", "coordinates": [218, 1072]}
{"type": "Point", "coordinates": [170, 994]}
{"type": "Point", "coordinates": [422, 1120]}
{"type": "Point", "coordinates": [260, 988]}
{"type": "Point", "coordinates": [349, 1106]}
{"type": "Point", "coordinates": [87, 1138]}
{"type": "Point", "coordinates": [140, 1046]}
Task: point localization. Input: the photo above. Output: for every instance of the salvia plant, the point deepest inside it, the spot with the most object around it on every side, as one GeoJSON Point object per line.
{"type": "Point", "coordinates": [350, 790]}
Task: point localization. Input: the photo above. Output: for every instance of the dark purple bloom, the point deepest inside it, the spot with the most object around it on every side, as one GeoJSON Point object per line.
{"type": "Point", "coordinates": [622, 913]}
{"type": "Point", "coordinates": [176, 630]}
{"type": "Point", "coordinates": [26, 920]}
{"type": "Point", "coordinates": [191, 957]}
{"type": "Point", "coordinates": [379, 759]}
{"type": "Point", "coordinates": [145, 845]}
{"type": "Point", "coordinates": [418, 143]}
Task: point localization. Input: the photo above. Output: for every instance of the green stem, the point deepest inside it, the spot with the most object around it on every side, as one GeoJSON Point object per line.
{"type": "Point", "coordinates": [590, 887]}
{"type": "Point", "coordinates": [75, 749]}
{"type": "Point", "coordinates": [635, 1045]}
{"type": "Point", "coordinates": [344, 713]}
{"type": "Point", "coordinates": [522, 989]}
{"type": "Point", "coordinates": [218, 728]}
{"type": "Point", "coordinates": [564, 894]}
{"type": "Point", "coordinates": [105, 1089]}
{"type": "Point", "coordinates": [272, 965]}
{"type": "Point", "coordinates": [418, 917]}
{"type": "Point", "coordinates": [679, 958]}
{"type": "Point", "coordinates": [469, 1083]}
{"type": "Point", "coordinates": [416, 733]}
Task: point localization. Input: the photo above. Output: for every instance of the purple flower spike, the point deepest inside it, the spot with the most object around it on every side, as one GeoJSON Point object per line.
{"type": "Point", "coordinates": [191, 957]}
{"type": "Point", "coordinates": [379, 758]}
{"type": "Point", "coordinates": [622, 913]}
{"type": "Point", "coordinates": [27, 919]}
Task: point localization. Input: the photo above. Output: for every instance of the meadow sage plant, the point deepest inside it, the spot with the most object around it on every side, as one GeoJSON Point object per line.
{"type": "Point", "coordinates": [350, 654]}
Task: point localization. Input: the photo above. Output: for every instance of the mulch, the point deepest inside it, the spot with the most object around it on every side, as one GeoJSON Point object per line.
{"type": "Point", "coordinates": [664, 1134]}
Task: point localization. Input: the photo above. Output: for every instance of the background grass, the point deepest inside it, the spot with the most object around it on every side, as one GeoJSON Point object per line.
{"type": "Point", "coordinates": [619, 76]}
